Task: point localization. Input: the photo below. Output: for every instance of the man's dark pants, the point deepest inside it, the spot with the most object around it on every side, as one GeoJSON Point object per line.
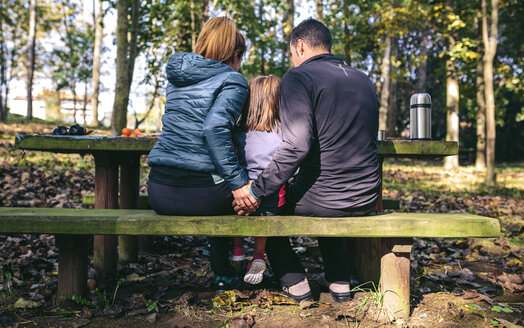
{"type": "Point", "coordinates": [286, 263]}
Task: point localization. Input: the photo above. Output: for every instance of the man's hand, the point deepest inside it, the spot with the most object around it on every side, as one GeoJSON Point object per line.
{"type": "Point", "coordinates": [244, 203]}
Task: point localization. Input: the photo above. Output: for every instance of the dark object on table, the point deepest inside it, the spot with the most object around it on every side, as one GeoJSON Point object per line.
{"type": "Point", "coordinates": [77, 130]}
{"type": "Point", "coordinates": [60, 130]}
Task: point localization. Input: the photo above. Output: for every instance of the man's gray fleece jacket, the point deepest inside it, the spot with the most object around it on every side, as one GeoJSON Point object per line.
{"type": "Point", "coordinates": [204, 100]}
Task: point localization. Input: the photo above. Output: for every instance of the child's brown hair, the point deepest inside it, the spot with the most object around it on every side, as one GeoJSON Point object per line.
{"type": "Point", "coordinates": [263, 111]}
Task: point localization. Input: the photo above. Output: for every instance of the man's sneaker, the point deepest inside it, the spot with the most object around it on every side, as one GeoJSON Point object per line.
{"type": "Point", "coordinates": [299, 291]}
{"type": "Point", "coordinates": [339, 290]}
{"type": "Point", "coordinates": [238, 254]}
{"type": "Point", "coordinates": [223, 283]}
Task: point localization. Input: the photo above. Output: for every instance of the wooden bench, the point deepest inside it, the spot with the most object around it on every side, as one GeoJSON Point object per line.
{"type": "Point", "coordinates": [72, 228]}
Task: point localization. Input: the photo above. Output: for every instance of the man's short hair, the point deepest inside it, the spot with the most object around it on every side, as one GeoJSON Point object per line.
{"type": "Point", "coordinates": [313, 33]}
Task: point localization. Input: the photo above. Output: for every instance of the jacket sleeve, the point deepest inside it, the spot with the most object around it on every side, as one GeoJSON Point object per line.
{"type": "Point", "coordinates": [218, 127]}
{"type": "Point", "coordinates": [297, 135]}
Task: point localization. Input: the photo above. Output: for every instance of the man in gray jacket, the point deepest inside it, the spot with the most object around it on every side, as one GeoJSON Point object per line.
{"type": "Point", "coordinates": [329, 117]}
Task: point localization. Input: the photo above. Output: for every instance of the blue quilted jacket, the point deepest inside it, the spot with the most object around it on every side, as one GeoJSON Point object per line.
{"type": "Point", "coordinates": [204, 100]}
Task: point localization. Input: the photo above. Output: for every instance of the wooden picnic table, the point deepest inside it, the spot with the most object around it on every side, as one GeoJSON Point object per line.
{"type": "Point", "coordinates": [111, 153]}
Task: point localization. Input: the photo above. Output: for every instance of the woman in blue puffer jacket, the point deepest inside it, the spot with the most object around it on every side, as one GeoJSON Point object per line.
{"type": "Point", "coordinates": [194, 168]}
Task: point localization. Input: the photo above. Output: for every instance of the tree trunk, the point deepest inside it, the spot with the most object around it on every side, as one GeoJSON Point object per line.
{"type": "Point", "coordinates": [320, 10]}
{"type": "Point", "coordinates": [205, 12]}
{"type": "Point", "coordinates": [3, 111]}
{"type": "Point", "coordinates": [423, 68]}
{"type": "Point", "coordinates": [193, 24]}
{"type": "Point", "coordinates": [31, 58]}
{"type": "Point", "coordinates": [119, 115]}
{"type": "Point", "coordinates": [384, 92]}
{"type": "Point", "coordinates": [347, 44]}
{"type": "Point", "coordinates": [133, 40]}
{"type": "Point", "coordinates": [480, 161]}
{"type": "Point", "coordinates": [289, 21]}
{"type": "Point", "coordinates": [392, 101]}
{"type": "Point", "coordinates": [490, 48]}
{"type": "Point", "coordinates": [84, 108]}
{"type": "Point", "coordinates": [452, 108]}
{"type": "Point", "coordinates": [97, 53]}
{"type": "Point", "coordinates": [73, 89]}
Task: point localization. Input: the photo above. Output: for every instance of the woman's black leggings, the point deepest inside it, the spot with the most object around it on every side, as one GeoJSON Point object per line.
{"type": "Point", "coordinates": [192, 201]}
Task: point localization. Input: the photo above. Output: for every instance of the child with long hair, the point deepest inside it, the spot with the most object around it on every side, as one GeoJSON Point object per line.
{"type": "Point", "coordinates": [257, 138]}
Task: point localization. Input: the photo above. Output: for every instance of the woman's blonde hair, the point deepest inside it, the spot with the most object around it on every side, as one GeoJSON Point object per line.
{"type": "Point", "coordinates": [220, 40]}
{"type": "Point", "coordinates": [263, 112]}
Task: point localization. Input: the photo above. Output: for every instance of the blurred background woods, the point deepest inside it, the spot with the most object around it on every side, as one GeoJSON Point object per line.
{"type": "Point", "coordinates": [64, 55]}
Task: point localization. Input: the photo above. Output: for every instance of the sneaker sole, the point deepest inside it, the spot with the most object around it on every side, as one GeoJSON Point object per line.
{"type": "Point", "coordinates": [238, 258]}
{"type": "Point", "coordinates": [299, 298]}
{"type": "Point", "coordinates": [256, 273]}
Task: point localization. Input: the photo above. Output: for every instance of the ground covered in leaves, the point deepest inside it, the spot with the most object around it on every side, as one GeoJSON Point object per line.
{"type": "Point", "coordinates": [455, 282]}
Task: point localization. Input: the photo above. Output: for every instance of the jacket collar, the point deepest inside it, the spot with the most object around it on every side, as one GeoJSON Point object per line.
{"type": "Point", "coordinates": [317, 57]}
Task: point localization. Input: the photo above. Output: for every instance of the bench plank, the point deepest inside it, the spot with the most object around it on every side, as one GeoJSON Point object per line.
{"type": "Point", "coordinates": [147, 222]}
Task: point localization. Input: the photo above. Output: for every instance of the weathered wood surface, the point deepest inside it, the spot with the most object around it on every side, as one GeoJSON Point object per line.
{"type": "Point", "coordinates": [106, 197]}
{"type": "Point", "coordinates": [147, 222]}
{"type": "Point", "coordinates": [72, 266]}
{"type": "Point", "coordinates": [89, 144]}
{"type": "Point", "coordinates": [143, 201]}
{"type": "Point", "coordinates": [129, 192]}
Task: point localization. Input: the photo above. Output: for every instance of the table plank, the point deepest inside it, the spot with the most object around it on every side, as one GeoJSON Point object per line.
{"type": "Point", "coordinates": [142, 145]}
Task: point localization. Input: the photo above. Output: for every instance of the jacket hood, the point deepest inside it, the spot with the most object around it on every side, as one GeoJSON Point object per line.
{"type": "Point", "coordinates": [185, 69]}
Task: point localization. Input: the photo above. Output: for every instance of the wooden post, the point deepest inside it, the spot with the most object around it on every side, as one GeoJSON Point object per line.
{"type": "Point", "coordinates": [129, 190]}
{"type": "Point", "coordinates": [72, 266]}
{"type": "Point", "coordinates": [394, 286]}
{"type": "Point", "coordinates": [370, 250]}
{"type": "Point", "coordinates": [106, 196]}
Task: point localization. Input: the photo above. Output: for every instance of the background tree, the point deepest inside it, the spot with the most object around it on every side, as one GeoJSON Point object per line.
{"type": "Point", "coordinates": [97, 53]}
{"type": "Point", "coordinates": [31, 57]}
{"type": "Point", "coordinates": [490, 48]}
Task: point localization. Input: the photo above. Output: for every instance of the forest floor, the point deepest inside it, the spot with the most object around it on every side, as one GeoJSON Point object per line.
{"type": "Point", "coordinates": [454, 282]}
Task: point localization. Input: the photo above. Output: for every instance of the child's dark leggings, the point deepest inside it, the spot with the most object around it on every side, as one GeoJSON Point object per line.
{"type": "Point", "coordinates": [213, 200]}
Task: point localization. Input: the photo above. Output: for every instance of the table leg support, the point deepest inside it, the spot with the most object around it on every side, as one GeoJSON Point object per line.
{"type": "Point", "coordinates": [72, 266]}
{"type": "Point", "coordinates": [106, 196]}
{"type": "Point", "coordinates": [129, 191]}
{"type": "Point", "coordinates": [395, 274]}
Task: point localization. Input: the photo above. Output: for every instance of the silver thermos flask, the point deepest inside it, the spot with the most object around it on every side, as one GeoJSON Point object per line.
{"type": "Point", "coordinates": [420, 116]}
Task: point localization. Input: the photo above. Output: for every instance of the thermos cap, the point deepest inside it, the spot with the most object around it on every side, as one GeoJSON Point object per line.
{"type": "Point", "coordinates": [420, 100]}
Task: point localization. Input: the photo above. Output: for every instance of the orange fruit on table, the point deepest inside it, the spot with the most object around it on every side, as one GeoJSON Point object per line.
{"type": "Point", "coordinates": [137, 131]}
{"type": "Point", "coordinates": [133, 135]}
{"type": "Point", "coordinates": [124, 135]}
{"type": "Point", "coordinates": [126, 132]}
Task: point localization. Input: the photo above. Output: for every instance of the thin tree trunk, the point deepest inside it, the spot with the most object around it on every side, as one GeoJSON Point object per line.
{"type": "Point", "coordinates": [193, 24]}
{"type": "Point", "coordinates": [3, 111]}
{"type": "Point", "coordinates": [490, 48]}
{"type": "Point", "coordinates": [73, 89]}
{"type": "Point", "coordinates": [452, 108]}
{"type": "Point", "coordinates": [422, 69]}
{"type": "Point", "coordinates": [119, 114]}
{"type": "Point", "coordinates": [320, 10]}
{"type": "Point", "coordinates": [151, 104]}
{"type": "Point", "coordinates": [133, 40]}
{"type": "Point", "coordinates": [392, 105]}
{"type": "Point", "coordinates": [384, 91]}
{"type": "Point", "coordinates": [480, 160]}
{"type": "Point", "coordinates": [97, 53]}
{"type": "Point", "coordinates": [289, 21]}
{"type": "Point", "coordinates": [84, 109]}
{"type": "Point", "coordinates": [205, 12]}
{"type": "Point", "coordinates": [31, 60]}
{"type": "Point", "coordinates": [347, 36]}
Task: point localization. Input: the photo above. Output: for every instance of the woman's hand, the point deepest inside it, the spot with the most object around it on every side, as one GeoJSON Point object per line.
{"type": "Point", "coordinates": [244, 203]}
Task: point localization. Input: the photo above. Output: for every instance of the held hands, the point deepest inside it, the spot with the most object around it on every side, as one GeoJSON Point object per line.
{"type": "Point", "coordinates": [244, 203]}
